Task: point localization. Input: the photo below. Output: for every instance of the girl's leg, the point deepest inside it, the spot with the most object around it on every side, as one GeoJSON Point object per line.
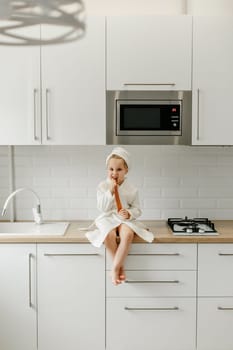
{"type": "Point", "coordinates": [126, 237]}
{"type": "Point", "coordinates": [110, 243]}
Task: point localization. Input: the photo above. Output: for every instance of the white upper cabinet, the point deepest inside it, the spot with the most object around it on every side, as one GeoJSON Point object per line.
{"type": "Point", "coordinates": [73, 88]}
{"type": "Point", "coordinates": [54, 94]}
{"type": "Point", "coordinates": [149, 52]}
{"type": "Point", "coordinates": [212, 81]}
{"type": "Point", "coordinates": [20, 93]}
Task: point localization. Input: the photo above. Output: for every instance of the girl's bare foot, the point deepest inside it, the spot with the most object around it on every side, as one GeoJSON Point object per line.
{"type": "Point", "coordinates": [115, 277]}
{"type": "Point", "coordinates": [122, 274]}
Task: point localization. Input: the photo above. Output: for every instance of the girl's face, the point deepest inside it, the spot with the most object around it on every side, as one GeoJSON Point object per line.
{"type": "Point", "coordinates": [117, 170]}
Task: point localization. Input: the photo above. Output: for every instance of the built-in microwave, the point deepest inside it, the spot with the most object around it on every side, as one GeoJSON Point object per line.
{"type": "Point", "coordinates": [148, 117]}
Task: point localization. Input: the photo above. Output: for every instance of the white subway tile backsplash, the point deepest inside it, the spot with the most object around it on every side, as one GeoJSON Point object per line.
{"type": "Point", "coordinates": [216, 192]}
{"type": "Point", "coordinates": [193, 203]}
{"type": "Point", "coordinates": [161, 203]}
{"type": "Point", "coordinates": [225, 203]}
{"type": "Point", "coordinates": [179, 192]}
{"type": "Point", "coordinates": [161, 181]}
{"type": "Point", "coordinates": [178, 213]}
{"type": "Point", "coordinates": [219, 214]}
{"type": "Point", "coordinates": [64, 192]}
{"type": "Point", "coordinates": [173, 181]}
{"type": "Point", "coordinates": [150, 214]}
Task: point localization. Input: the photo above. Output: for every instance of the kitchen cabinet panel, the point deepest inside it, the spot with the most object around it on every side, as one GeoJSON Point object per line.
{"type": "Point", "coordinates": [151, 323]}
{"type": "Point", "coordinates": [155, 284]}
{"type": "Point", "coordinates": [215, 297]}
{"type": "Point", "coordinates": [54, 94]}
{"type": "Point", "coordinates": [212, 80]}
{"type": "Point", "coordinates": [71, 297]}
{"type": "Point", "coordinates": [149, 52]}
{"type": "Point", "coordinates": [215, 266]}
{"type": "Point", "coordinates": [73, 88]}
{"type": "Point", "coordinates": [20, 122]}
{"type": "Point", "coordinates": [215, 319]}
{"type": "Point", "coordinates": [18, 328]}
{"type": "Point", "coordinates": [160, 310]}
{"type": "Point", "coordinates": [160, 257]}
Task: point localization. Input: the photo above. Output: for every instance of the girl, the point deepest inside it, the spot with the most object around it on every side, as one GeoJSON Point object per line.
{"type": "Point", "coordinates": [118, 201]}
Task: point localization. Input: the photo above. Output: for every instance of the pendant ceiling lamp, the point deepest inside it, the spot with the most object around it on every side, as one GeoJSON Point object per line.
{"type": "Point", "coordinates": [63, 20]}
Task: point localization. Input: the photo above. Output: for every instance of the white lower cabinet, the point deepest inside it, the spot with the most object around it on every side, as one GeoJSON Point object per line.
{"type": "Point", "coordinates": [215, 320]}
{"type": "Point", "coordinates": [215, 297]}
{"type": "Point", "coordinates": [151, 323]}
{"type": "Point", "coordinates": [71, 297]}
{"type": "Point", "coordinates": [156, 307]}
{"type": "Point", "coordinates": [18, 329]}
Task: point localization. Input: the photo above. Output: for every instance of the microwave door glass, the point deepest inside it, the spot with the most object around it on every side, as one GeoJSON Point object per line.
{"type": "Point", "coordinates": [140, 118]}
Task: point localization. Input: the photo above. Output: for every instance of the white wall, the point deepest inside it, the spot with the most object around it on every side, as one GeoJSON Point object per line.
{"type": "Point", "coordinates": [134, 7]}
{"type": "Point", "coordinates": [173, 181]}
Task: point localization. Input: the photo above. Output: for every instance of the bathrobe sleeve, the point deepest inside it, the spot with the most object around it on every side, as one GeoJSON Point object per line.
{"type": "Point", "coordinates": [105, 199]}
{"type": "Point", "coordinates": [134, 207]}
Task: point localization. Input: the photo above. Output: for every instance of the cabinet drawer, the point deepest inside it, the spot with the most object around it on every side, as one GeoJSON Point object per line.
{"type": "Point", "coordinates": [154, 283]}
{"type": "Point", "coordinates": [215, 266]}
{"type": "Point", "coordinates": [215, 319]}
{"type": "Point", "coordinates": [151, 323]}
{"type": "Point", "coordinates": [160, 257]}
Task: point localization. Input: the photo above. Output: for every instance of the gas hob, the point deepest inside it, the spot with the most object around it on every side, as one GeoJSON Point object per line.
{"type": "Point", "coordinates": [192, 227]}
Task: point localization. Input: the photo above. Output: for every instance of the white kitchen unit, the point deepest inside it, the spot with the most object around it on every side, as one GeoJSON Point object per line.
{"type": "Point", "coordinates": [212, 80]}
{"type": "Point", "coordinates": [18, 328]}
{"type": "Point", "coordinates": [71, 297]}
{"type": "Point", "coordinates": [149, 52]}
{"type": "Point", "coordinates": [55, 94]}
{"type": "Point", "coordinates": [156, 306]}
{"type": "Point", "coordinates": [215, 297]}
{"type": "Point", "coordinates": [20, 93]}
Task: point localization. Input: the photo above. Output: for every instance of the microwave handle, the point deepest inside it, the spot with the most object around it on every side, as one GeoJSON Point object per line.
{"type": "Point", "coordinates": [198, 114]}
{"type": "Point", "coordinates": [149, 84]}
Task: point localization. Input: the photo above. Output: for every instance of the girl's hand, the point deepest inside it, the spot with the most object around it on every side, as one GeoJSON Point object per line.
{"type": "Point", "coordinates": [113, 185]}
{"type": "Point", "coordinates": [124, 214]}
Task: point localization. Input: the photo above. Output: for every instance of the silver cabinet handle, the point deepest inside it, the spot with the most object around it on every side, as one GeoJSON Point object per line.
{"type": "Point", "coordinates": [30, 256]}
{"type": "Point", "coordinates": [156, 254]}
{"type": "Point", "coordinates": [225, 308]}
{"type": "Point", "coordinates": [225, 254]}
{"type": "Point", "coordinates": [151, 308]}
{"type": "Point", "coordinates": [47, 93]}
{"type": "Point", "coordinates": [150, 84]}
{"type": "Point", "coordinates": [35, 92]}
{"type": "Point", "coordinates": [155, 281]}
{"type": "Point", "coordinates": [198, 114]}
{"type": "Point", "coordinates": [67, 254]}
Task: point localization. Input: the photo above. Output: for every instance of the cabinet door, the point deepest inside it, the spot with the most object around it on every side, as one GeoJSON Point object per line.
{"type": "Point", "coordinates": [166, 256]}
{"type": "Point", "coordinates": [20, 93]}
{"type": "Point", "coordinates": [214, 325]}
{"type": "Point", "coordinates": [215, 266]}
{"type": "Point", "coordinates": [73, 88]}
{"type": "Point", "coordinates": [212, 81]}
{"type": "Point", "coordinates": [71, 297]}
{"type": "Point", "coordinates": [18, 297]}
{"type": "Point", "coordinates": [146, 323]}
{"type": "Point", "coordinates": [149, 52]}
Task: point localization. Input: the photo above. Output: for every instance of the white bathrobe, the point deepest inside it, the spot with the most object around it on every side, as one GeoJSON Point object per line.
{"type": "Point", "coordinates": [109, 219]}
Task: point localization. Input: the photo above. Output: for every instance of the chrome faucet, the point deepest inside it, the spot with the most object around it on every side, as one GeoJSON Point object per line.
{"type": "Point", "coordinates": [36, 211]}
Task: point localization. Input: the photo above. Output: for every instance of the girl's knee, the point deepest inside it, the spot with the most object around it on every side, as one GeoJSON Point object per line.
{"type": "Point", "coordinates": [126, 232]}
{"type": "Point", "coordinates": [111, 235]}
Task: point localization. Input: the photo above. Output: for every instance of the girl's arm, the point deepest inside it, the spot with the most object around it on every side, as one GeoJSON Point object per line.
{"type": "Point", "coordinates": [105, 200]}
{"type": "Point", "coordinates": [134, 209]}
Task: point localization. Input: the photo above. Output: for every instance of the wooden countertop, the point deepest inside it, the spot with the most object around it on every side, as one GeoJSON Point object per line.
{"type": "Point", "coordinates": [162, 232]}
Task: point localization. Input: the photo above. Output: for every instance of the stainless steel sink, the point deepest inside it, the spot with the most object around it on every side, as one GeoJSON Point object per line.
{"type": "Point", "coordinates": [33, 229]}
